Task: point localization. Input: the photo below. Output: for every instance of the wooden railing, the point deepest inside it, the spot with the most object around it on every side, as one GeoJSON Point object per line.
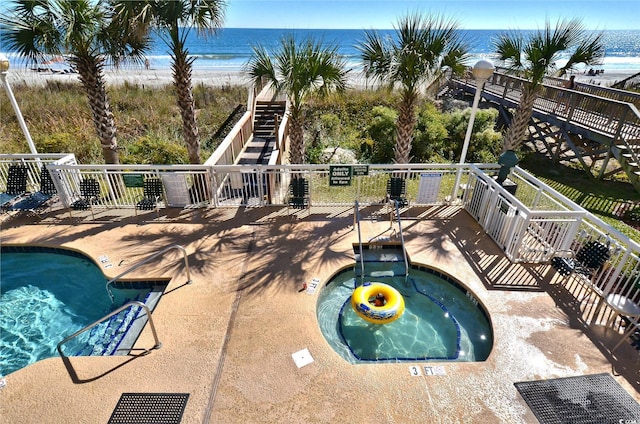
{"type": "Point", "coordinates": [613, 120]}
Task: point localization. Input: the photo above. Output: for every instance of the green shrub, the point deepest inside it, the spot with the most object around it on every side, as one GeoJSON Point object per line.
{"type": "Point", "coordinates": [485, 144]}
{"type": "Point", "coordinates": [430, 136]}
{"type": "Point", "coordinates": [81, 144]}
{"type": "Point", "coordinates": [151, 149]}
{"type": "Point", "coordinates": [381, 138]}
{"type": "Point", "coordinates": [633, 214]}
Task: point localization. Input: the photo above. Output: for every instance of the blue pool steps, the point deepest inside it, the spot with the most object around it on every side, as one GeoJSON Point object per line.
{"type": "Point", "coordinates": [115, 336]}
{"type": "Point", "coordinates": [379, 261]}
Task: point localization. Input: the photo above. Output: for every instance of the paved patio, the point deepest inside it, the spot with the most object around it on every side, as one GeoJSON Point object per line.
{"type": "Point", "coordinates": [228, 337]}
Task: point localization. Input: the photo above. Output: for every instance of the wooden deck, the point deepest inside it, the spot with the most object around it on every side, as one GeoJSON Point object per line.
{"type": "Point", "coordinates": [592, 124]}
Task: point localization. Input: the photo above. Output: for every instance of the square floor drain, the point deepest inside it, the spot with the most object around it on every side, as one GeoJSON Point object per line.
{"type": "Point", "coordinates": [302, 358]}
{"type": "Point", "coordinates": [587, 399]}
{"type": "Point", "coordinates": [147, 408]}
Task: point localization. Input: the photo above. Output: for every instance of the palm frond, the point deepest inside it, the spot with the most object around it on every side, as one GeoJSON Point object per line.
{"type": "Point", "coordinates": [589, 52]}
{"type": "Point", "coordinates": [509, 47]}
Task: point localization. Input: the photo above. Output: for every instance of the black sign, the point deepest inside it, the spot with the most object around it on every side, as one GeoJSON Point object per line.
{"type": "Point", "coordinates": [360, 170]}
{"type": "Point", "coordinates": [340, 175]}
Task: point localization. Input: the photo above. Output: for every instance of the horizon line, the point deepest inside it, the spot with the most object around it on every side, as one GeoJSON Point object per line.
{"type": "Point", "coordinates": [392, 29]}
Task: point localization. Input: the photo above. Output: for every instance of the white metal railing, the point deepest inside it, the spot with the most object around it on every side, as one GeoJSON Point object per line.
{"type": "Point", "coordinates": [540, 223]}
{"type": "Point", "coordinates": [157, 344]}
{"type": "Point", "coordinates": [530, 227]}
{"type": "Point", "coordinates": [197, 186]}
{"type": "Point", "coordinates": [34, 164]}
{"type": "Point", "coordinates": [148, 259]}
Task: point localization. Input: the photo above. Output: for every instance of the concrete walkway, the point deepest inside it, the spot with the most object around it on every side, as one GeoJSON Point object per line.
{"type": "Point", "coordinates": [227, 338]}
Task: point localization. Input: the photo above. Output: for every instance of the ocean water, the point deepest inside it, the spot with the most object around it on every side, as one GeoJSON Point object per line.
{"type": "Point", "coordinates": [230, 48]}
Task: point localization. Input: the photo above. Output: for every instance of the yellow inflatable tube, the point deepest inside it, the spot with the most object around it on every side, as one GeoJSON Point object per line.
{"type": "Point", "coordinates": [363, 301]}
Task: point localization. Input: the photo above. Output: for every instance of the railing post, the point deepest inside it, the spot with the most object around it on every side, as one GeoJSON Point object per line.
{"type": "Point", "coordinates": [506, 85]}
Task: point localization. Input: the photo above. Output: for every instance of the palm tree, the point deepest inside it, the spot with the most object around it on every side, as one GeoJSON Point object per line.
{"type": "Point", "coordinates": [174, 20]}
{"type": "Point", "coordinates": [533, 56]}
{"type": "Point", "coordinates": [83, 31]}
{"type": "Point", "coordinates": [420, 51]}
{"type": "Point", "coordinates": [298, 70]}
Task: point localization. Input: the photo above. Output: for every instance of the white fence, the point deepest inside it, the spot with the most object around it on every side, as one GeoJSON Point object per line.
{"type": "Point", "coordinates": [197, 186]}
{"type": "Point", "coordinates": [531, 227]}
{"type": "Point", "coordinates": [540, 224]}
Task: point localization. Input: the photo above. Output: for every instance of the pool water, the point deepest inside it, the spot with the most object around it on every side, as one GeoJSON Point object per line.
{"type": "Point", "coordinates": [45, 297]}
{"type": "Point", "coordinates": [442, 321]}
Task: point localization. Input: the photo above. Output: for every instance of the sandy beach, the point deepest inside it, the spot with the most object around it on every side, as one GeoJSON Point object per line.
{"type": "Point", "coordinates": [152, 77]}
{"type": "Point", "coordinates": [224, 77]}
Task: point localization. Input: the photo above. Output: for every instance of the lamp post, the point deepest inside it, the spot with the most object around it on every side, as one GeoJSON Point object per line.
{"type": "Point", "coordinates": [4, 69]}
{"type": "Point", "coordinates": [482, 70]}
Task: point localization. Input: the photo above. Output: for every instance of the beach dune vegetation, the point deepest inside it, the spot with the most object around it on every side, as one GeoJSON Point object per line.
{"type": "Point", "coordinates": [174, 20]}
{"type": "Point", "coordinates": [84, 32]}
{"type": "Point", "coordinates": [60, 121]}
{"type": "Point", "coordinates": [423, 48]}
{"type": "Point", "coordinates": [300, 70]}
{"type": "Point", "coordinates": [365, 121]}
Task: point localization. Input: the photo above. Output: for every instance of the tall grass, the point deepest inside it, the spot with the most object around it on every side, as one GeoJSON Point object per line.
{"type": "Point", "coordinates": [59, 120]}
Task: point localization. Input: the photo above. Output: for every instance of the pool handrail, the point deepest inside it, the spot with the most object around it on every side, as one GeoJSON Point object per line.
{"type": "Point", "coordinates": [357, 218]}
{"type": "Point", "coordinates": [404, 251]}
{"type": "Point", "coordinates": [144, 261]}
{"type": "Point", "coordinates": [158, 345]}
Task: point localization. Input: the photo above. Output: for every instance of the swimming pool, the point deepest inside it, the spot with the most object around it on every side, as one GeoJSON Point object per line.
{"type": "Point", "coordinates": [48, 294]}
{"type": "Point", "coordinates": [443, 321]}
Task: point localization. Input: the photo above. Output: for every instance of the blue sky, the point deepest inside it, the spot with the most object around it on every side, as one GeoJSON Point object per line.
{"type": "Point", "coordinates": [476, 14]}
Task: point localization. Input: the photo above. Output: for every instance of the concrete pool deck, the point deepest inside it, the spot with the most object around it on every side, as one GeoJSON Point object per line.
{"type": "Point", "coordinates": [227, 338]}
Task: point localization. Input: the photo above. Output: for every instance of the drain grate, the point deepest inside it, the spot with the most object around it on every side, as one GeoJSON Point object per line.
{"type": "Point", "coordinates": [597, 399]}
{"type": "Point", "coordinates": [148, 408]}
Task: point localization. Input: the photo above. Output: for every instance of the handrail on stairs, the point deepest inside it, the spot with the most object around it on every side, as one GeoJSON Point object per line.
{"type": "Point", "coordinates": [404, 251]}
{"type": "Point", "coordinates": [144, 261]}
{"type": "Point", "coordinates": [158, 345]}
{"type": "Point", "coordinates": [356, 217]}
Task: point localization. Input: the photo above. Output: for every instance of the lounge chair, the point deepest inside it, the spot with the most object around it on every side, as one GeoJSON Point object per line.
{"type": "Point", "coordinates": [397, 190]}
{"type": "Point", "coordinates": [89, 195]}
{"type": "Point", "coordinates": [152, 191]}
{"type": "Point", "coordinates": [299, 193]}
{"type": "Point", "coordinates": [38, 201]}
{"type": "Point", "coordinates": [16, 185]}
{"type": "Point", "coordinates": [583, 264]}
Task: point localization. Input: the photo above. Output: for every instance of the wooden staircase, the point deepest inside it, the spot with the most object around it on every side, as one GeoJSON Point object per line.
{"type": "Point", "coordinates": [627, 155]}
{"type": "Point", "coordinates": [266, 118]}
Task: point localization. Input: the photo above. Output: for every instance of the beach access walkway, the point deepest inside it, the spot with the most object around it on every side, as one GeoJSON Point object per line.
{"type": "Point", "coordinates": [592, 124]}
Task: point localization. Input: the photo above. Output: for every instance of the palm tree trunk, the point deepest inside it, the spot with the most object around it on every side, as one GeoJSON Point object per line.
{"type": "Point", "coordinates": [406, 125]}
{"type": "Point", "coordinates": [516, 133]}
{"type": "Point", "coordinates": [186, 105]}
{"type": "Point", "coordinates": [90, 71]}
{"type": "Point", "coordinates": [296, 135]}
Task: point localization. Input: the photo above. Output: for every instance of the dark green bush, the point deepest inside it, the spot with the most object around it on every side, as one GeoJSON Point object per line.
{"type": "Point", "coordinates": [151, 149]}
{"type": "Point", "coordinates": [380, 139]}
{"type": "Point", "coordinates": [632, 214]}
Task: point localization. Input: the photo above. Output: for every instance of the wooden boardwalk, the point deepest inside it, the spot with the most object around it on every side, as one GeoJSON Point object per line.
{"type": "Point", "coordinates": [592, 124]}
